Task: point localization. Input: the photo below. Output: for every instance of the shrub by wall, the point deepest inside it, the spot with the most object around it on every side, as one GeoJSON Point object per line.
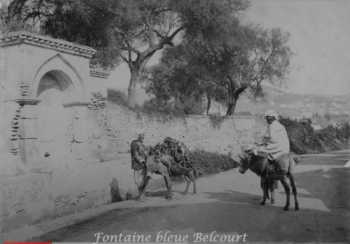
{"type": "Point", "coordinates": [304, 139]}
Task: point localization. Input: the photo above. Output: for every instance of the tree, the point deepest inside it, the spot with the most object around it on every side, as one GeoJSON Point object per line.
{"type": "Point", "coordinates": [171, 82]}
{"type": "Point", "coordinates": [125, 30]}
{"type": "Point", "coordinates": [225, 67]}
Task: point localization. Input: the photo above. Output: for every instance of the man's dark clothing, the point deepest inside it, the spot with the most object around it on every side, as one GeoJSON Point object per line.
{"type": "Point", "coordinates": [138, 155]}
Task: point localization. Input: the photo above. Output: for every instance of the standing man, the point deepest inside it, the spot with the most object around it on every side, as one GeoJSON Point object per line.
{"type": "Point", "coordinates": [138, 161]}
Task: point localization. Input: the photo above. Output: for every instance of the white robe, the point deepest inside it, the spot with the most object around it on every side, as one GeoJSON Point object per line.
{"type": "Point", "coordinates": [277, 140]}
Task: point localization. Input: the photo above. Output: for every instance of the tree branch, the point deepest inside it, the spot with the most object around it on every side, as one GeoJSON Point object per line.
{"type": "Point", "coordinates": [175, 33]}
{"type": "Point", "coordinates": [154, 48]}
{"type": "Point", "coordinates": [240, 90]}
{"type": "Point", "coordinates": [124, 59]}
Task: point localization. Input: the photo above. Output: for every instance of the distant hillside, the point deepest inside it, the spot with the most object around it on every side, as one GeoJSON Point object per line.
{"type": "Point", "coordinates": [296, 105]}
{"type": "Point", "coordinates": [288, 104]}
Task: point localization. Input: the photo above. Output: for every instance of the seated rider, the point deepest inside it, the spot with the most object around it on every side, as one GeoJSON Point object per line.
{"type": "Point", "coordinates": [275, 141]}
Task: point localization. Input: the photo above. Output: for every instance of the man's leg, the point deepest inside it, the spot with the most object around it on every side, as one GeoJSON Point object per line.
{"type": "Point", "coordinates": [145, 180]}
{"type": "Point", "coordinates": [273, 166]}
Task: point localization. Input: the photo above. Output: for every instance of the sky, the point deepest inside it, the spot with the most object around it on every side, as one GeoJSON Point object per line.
{"type": "Point", "coordinates": [319, 37]}
{"type": "Point", "coordinates": [3, 2]}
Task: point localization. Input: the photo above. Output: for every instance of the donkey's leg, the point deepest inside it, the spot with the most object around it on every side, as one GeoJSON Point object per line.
{"type": "Point", "coordinates": [272, 186]}
{"type": "Point", "coordinates": [287, 191]}
{"type": "Point", "coordinates": [264, 188]}
{"type": "Point", "coordinates": [272, 192]}
{"type": "Point", "coordinates": [294, 189]}
{"type": "Point", "coordinates": [265, 194]}
{"type": "Point", "coordinates": [168, 186]}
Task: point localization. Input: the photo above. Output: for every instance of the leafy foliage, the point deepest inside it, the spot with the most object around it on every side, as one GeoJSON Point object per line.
{"type": "Point", "coordinates": [128, 30]}
{"type": "Point", "coordinates": [217, 56]}
{"type": "Point", "coordinates": [222, 68]}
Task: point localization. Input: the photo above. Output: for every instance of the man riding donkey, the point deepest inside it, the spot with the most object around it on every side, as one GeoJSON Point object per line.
{"type": "Point", "coordinates": [276, 145]}
{"type": "Point", "coordinates": [271, 159]}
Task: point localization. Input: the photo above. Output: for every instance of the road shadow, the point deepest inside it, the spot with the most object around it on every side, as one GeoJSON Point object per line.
{"type": "Point", "coordinates": [331, 186]}
{"type": "Point", "coordinates": [272, 223]}
{"type": "Point", "coordinates": [161, 193]}
{"type": "Point", "coordinates": [231, 212]}
{"type": "Point", "coordinates": [251, 200]}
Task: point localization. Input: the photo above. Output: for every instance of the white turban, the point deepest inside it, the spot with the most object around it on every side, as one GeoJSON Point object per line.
{"type": "Point", "coordinates": [271, 113]}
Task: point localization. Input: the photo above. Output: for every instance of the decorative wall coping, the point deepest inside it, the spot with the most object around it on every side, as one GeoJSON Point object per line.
{"type": "Point", "coordinates": [99, 73]}
{"type": "Point", "coordinates": [76, 104]}
{"type": "Point", "coordinates": [16, 38]}
{"type": "Point", "coordinates": [27, 101]}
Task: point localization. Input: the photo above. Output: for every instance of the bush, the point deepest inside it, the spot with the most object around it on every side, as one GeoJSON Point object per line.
{"type": "Point", "coordinates": [304, 139]}
{"type": "Point", "coordinates": [117, 97]}
{"type": "Point", "coordinates": [210, 163]}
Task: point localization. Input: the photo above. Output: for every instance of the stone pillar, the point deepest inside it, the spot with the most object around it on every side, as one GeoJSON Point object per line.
{"type": "Point", "coordinates": [24, 127]}
{"type": "Point", "coordinates": [28, 137]}
{"type": "Point", "coordinates": [10, 161]}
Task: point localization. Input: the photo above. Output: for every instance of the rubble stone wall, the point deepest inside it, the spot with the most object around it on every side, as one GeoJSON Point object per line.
{"type": "Point", "coordinates": [83, 180]}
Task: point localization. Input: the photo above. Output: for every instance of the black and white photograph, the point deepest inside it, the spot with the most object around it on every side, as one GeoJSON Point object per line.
{"type": "Point", "coordinates": [174, 121]}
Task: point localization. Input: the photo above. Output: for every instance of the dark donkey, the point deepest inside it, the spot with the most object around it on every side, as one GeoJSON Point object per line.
{"type": "Point", "coordinates": [260, 165]}
{"type": "Point", "coordinates": [160, 162]}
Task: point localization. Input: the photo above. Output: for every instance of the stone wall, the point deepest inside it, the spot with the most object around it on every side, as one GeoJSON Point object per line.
{"type": "Point", "coordinates": [82, 179]}
{"type": "Point", "coordinates": [222, 135]}
{"type": "Point", "coordinates": [62, 147]}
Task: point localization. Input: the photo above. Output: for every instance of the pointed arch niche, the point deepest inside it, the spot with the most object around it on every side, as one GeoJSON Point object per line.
{"type": "Point", "coordinates": [57, 73]}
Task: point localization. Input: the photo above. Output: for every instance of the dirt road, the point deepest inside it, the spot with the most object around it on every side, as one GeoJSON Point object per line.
{"type": "Point", "coordinates": [229, 203]}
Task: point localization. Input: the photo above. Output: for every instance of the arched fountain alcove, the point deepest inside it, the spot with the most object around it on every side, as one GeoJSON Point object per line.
{"type": "Point", "coordinates": [53, 120]}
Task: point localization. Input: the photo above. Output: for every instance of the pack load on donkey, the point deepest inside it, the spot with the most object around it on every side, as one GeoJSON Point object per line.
{"type": "Point", "coordinates": [174, 155]}
{"type": "Point", "coordinates": [179, 153]}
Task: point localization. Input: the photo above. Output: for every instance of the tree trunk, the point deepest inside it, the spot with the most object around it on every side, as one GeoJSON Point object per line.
{"type": "Point", "coordinates": [233, 98]}
{"type": "Point", "coordinates": [231, 105]}
{"type": "Point", "coordinates": [134, 79]}
{"type": "Point", "coordinates": [208, 103]}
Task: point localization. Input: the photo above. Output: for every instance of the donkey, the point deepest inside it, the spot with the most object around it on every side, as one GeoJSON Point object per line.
{"type": "Point", "coordinates": [159, 162]}
{"type": "Point", "coordinates": [260, 165]}
{"type": "Point", "coordinates": [181, 165]}
{"type": "Point", "coordinates": [178, 164]}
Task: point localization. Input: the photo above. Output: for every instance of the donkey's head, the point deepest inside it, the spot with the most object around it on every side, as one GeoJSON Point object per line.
{"type": "Point", "coordinates": [245, 161]}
